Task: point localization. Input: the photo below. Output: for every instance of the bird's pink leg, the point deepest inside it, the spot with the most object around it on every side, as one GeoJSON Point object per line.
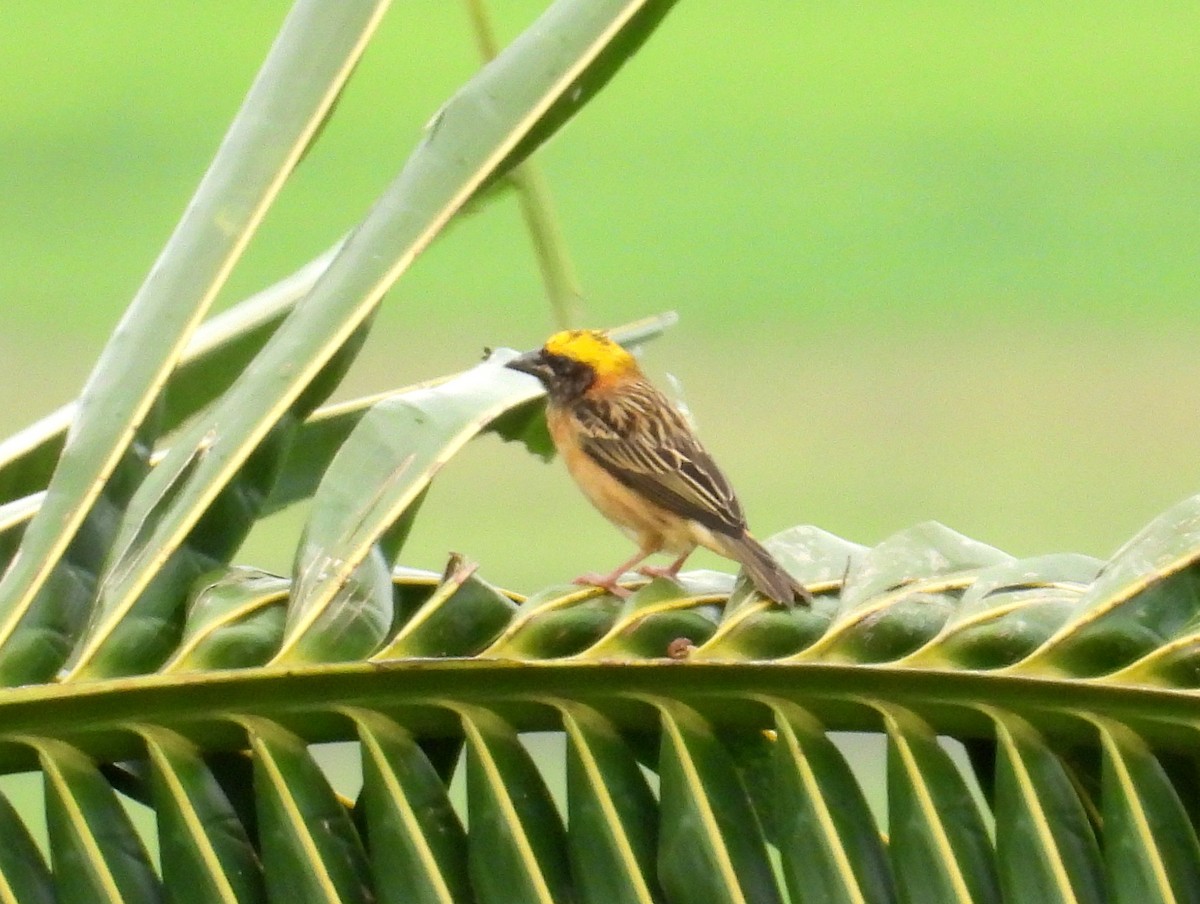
{"type": "Point", "coordinates": [670, 571]}
{"type": "Point", "coordinates": [609, 581]}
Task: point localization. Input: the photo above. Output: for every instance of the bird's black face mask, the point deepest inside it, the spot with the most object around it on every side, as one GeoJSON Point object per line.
{"type": "Point", "coordinates": [565, 379]}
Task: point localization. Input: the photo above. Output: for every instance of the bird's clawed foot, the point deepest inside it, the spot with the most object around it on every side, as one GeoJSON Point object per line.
{"type": "Point", "coordinates": [665, 571]}
{"type": "Point", "coordinates": [604, 582]}
{"type": "Point", "coordinates": [659, 571]}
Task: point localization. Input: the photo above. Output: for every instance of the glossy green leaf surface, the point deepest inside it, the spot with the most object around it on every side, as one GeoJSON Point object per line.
{"type": "Point", "coordinates": [24, 876]}
{"type": "Point", "coordinates": [460, 617]}
{"type": "Point", "coordinates": [466, 143]}
{"type": "Point", "coordinates": [920, 553]}
{"type": "Point", "coordinates": [658, 615]}
{"type": "Point", "coordinates": [712, 847]}
{"type": "Point", "coordinates": [310, 850]}
{"type": "Point", "coordinates": [388, 461]}
{"type": "Point", "coordinates": [558, 621]}
{"type": "Point", "coordinates": [205, 851]}
{"type": "Point", "coordinates": [517, 837]}
{"type": "Point", "coordinates": [1145, 596]}
{"type": "Point", "coordinates": [1045, 847]}
{"type": "Point", "coordinates": [831, 848]}
{"type": "Point", "coordinates": [95, 852]}
{"type": "Point", "coordinates": [137, 613]}
{"type": "Point", "coordinates": [939, 845]}
{"type": "Point", "coordinates": [235, 619]}
{"type": "Point", "coordinates": [612, 814]}
{"type": "Point", "coordinates": [106, 452]}
{"type": "Point", "coordinates": [417, 843]}
{"type": "Point", "coordinates": [1151, 844]}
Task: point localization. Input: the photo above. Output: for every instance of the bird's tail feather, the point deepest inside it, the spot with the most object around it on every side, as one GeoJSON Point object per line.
{"type": "Point", "coordinates": [767, 575]}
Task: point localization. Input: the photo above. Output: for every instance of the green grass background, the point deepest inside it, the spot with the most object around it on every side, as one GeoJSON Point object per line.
{"type": "Point", "coordinates": [934, 260]}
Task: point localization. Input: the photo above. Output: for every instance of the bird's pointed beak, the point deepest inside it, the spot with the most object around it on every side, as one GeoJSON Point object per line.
{"type": "Point", "coordinates": [533, 363]}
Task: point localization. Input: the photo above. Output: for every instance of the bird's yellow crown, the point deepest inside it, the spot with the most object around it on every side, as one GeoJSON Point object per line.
{"type": "Point", "coordinates": [593, 348]}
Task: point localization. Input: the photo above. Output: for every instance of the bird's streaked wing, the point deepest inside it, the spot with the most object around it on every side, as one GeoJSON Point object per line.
{"type": "Point", "coordinates": [645, 443]}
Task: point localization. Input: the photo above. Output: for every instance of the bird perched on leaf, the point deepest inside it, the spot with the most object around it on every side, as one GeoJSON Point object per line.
{"type": "Point", "coordinates": [640, 464]}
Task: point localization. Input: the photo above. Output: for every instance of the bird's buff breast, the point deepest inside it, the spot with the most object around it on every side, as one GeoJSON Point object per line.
{"type": "Point", "coordinates": [647, 524]}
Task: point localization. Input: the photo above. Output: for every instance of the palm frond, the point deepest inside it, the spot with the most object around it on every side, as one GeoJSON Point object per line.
{"type": "Point", "coordinates": [750, 799]}
{"type": "Point", "coordinates": [700, 755]}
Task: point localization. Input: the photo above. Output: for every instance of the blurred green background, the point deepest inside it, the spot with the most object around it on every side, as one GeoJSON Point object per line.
{"type": "Point", "coordinates": [934, 260]}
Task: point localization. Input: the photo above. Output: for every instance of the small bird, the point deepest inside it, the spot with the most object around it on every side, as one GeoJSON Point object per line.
{"type": "Point", "coordinates": [637, 460]}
